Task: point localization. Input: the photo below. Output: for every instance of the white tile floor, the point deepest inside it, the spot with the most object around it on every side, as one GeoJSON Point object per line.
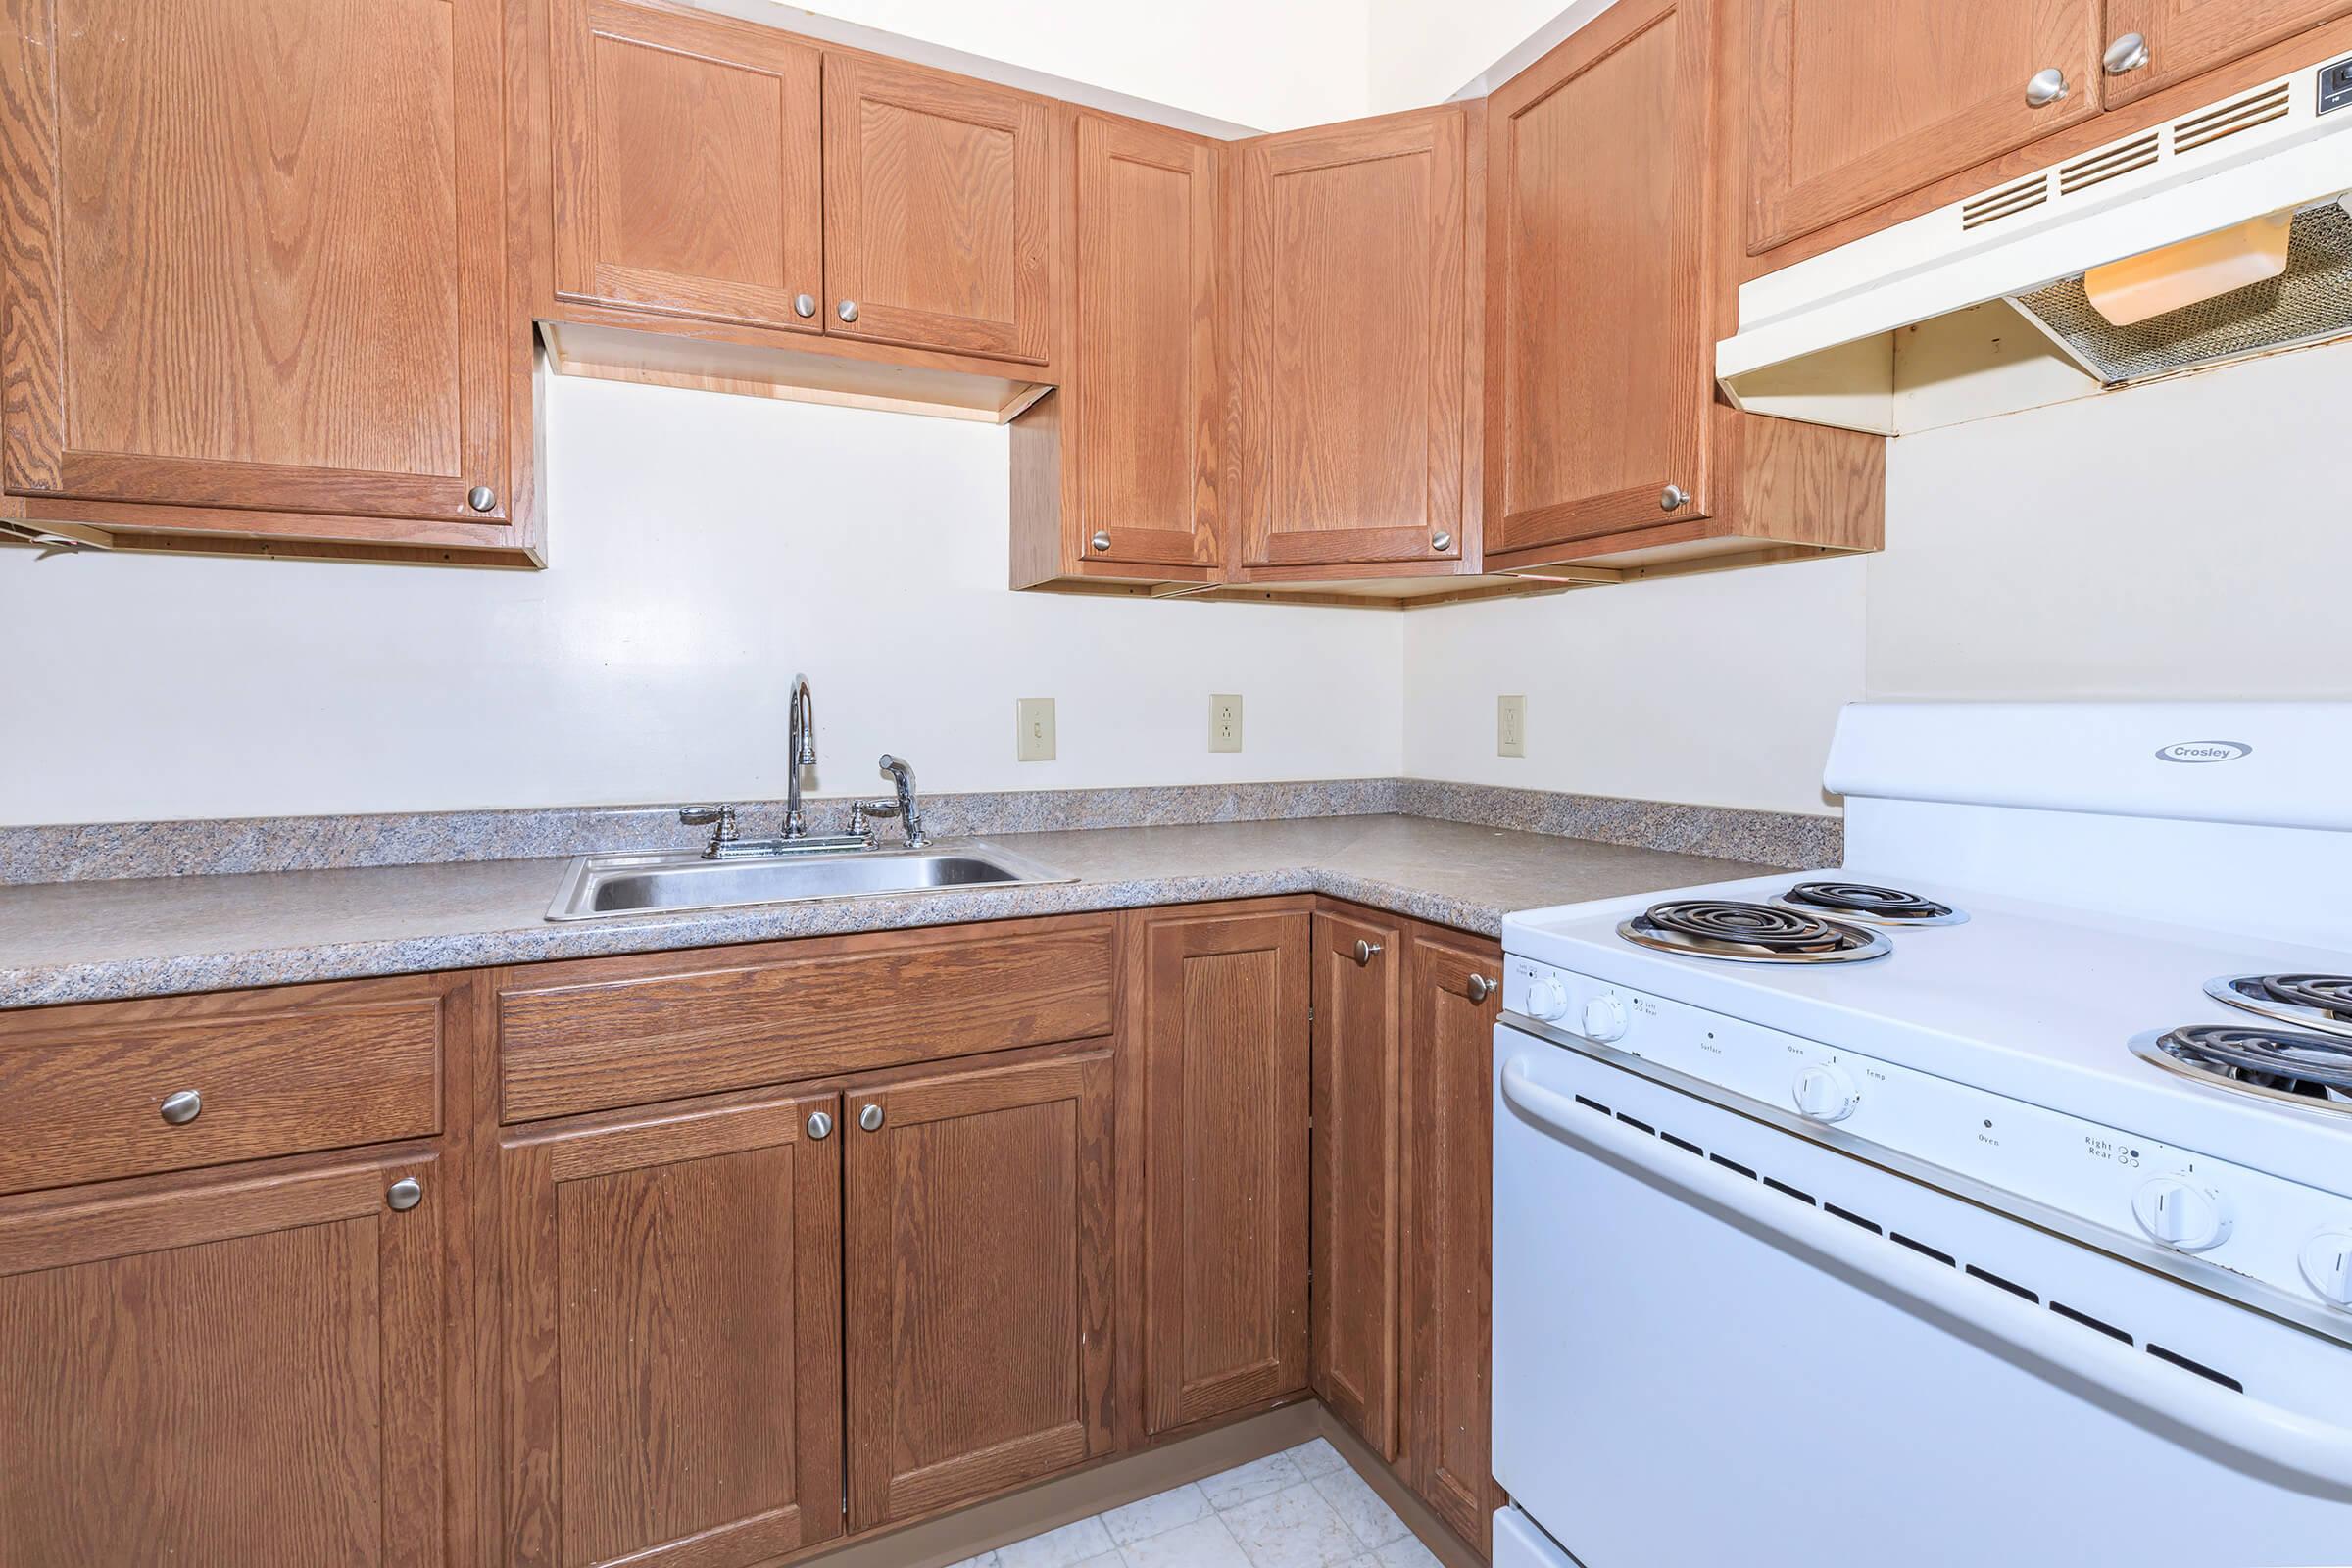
{"type": "Point", "coordinates": [1300, 1508]}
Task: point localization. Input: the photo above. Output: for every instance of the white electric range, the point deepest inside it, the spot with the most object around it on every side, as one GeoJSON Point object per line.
{"type": "Point", "coordinates": [1986, 1200]}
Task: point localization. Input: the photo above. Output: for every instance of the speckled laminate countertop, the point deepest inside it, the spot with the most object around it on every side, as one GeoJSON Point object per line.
{"type": "Point", "coordinates": [103, 940]}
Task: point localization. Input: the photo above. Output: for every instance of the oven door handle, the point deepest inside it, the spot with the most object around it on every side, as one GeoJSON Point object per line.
{"type": "Point", "coordinates": [2285, 1440]}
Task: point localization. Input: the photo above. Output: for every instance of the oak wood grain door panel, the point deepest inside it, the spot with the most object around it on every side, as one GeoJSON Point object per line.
{"type": "Point", "coordinates": [243, 1373]}
{"type": "Point", "coordinates": [1146, 393]}
{"type": "Point", "coordinates": [1854, 101]}
{"type": "Point", "coordinates": [977, 1218]}
{"type": "Point", "coordinates": [1449, 1121]}
{"type": "Point", "coordinates": [1359, 1045]}
{"type": "Point", "coordinates": [1353, 371]}
{"type": "Point", "coordinates": [1601, 380]}
{"type": "Point", "coordinates": [1226, 1073]}
{"type": "Point", "coordinates": [673, 1335]}
{"type": "Point", "coordinates": [689, 164]}
{"type": "Point", "coordinates": [2187, 37]}
{"type": "Point", "coordinates": [940, 210]}
{"type": "Point", "coordinates": [255, 254]}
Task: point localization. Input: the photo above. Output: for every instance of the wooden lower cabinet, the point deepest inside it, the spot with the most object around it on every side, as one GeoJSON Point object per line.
{"type": "Point", "coordinates": [226, 1373]}
{"type": "Point", "coordinates": [1221, 1018]}
{"type": "Point", "coordinates": [673, 1335]}
{"type": "Point", "coordinates": [1448, 1116]}
{"type": "Point", "coordinates": [1360, 966]}
{"type": "Point", "coordinates": [977, 1279]}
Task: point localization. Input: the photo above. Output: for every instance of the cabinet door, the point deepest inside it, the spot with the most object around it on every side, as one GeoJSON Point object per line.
{"type": "Point", "coordinates": [1854, 101]}
{"type": "Point", "coordinates": [2184, 37]}
{"type": "Point", "coordinates": [1449, 1145]}
{"type": "Point", "coordinates": [688, 163]}
{"type": "Point", "coordinates": [1144, 393]}
{"type": "Point", "coordinates": [939, 211]}
{"type": "Point", "coordinates": [1225, 1246]}
{"type": "Point", "coordinates": [239, 1373]}
{"type": "Point", "coordinates": [673, 1333]}
{"type": "Point", "coordinates": [1358, 1040]}
{"type": "Point", "coordinates": [254, 253]}
{"type": "Point", "coordinates": [978, 1215]}
{"type": "Point", "coordinates": [1601, 374]}
{"type": "Point", "coordinates": [1351, 402]}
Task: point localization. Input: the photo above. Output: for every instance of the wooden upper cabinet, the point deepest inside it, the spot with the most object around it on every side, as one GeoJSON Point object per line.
{"type": "Point", "coordinates": [233, 1374]}
{"type": "Point", "coordinates": [673, 1311]}
{"type": "Point", "coordinates": [978, 1282]}
{"type": "Point", "coordinates": [2184, 37]}
{"type": "Point", "coordinates": [1450, 1116]}
{"type": "Point", "coordinates": [255, 255]}
{"type": "Point", "coordinates": [1854, 101]}
{"type": "Point", "coordinates": [1144, 391]}
{"type": "Point", "coordinates": [1355, 379]}
{"type": "Point", "coordinates": [940, 210]}
{"type": "Point", "coordinates": [688, 164]}
{"type": "Point", "coordinates": [1598, 377]}
{"type": "Point", "coordinates": [1358, 1047]}
{"type": "Point", "coordinates": [1224, 1033]}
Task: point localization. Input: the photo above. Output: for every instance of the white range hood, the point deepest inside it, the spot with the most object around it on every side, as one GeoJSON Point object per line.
{"type": "Point", "coordinates": [1979, 308]}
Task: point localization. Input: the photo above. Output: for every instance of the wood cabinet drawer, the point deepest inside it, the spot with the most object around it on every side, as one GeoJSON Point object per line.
{"type": "Point", "coordinates": [275, 1072]}
{"type": "Point", "coordinates": [601, 1033]}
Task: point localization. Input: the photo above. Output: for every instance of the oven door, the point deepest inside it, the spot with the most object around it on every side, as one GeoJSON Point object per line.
{"type": "Point", "coordinates": [1720, 1341]}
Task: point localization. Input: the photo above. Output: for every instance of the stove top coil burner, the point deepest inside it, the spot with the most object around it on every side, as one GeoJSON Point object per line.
{"type": "Point", "coordinates": [1864, 901]}
{"type": "Point", "coordinates": [2308, 1069]}
{"type": "Point", "coordinates": [2320, 1002]}
{"type": "Point", "coordinates": [1749, 933]}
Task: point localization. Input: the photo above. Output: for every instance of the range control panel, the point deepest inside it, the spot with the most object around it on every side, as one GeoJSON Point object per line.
{"type": "Point", "coordinates": [2335, 85]}
{"type": "Point", "coordinates": [2296, 1238]}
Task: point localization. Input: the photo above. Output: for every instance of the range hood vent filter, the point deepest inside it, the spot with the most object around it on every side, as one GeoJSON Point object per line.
{"type": "Point", "coordinates": [2311, 301]}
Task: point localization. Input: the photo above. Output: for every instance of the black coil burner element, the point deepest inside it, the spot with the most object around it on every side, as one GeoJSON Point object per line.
{"type": "Point", "coordinates": [2320, 1002]}
{"type": "Point", "coordinates": [1864, 901]}
{"type": "Point", "coordinates": [2311, 1069]}
{"type": "Point", "coordinates": [1749, 933]}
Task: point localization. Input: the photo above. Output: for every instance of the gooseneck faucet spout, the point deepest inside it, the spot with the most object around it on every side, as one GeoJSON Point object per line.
{"type": "Point", "coordinates": [800, 744]}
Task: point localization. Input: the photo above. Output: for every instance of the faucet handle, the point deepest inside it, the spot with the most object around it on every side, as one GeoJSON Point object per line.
{"type": "Point", "coordinates": [719, 819]}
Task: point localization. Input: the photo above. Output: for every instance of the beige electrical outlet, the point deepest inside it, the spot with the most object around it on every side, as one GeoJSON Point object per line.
{"type": "Point", "coordinates": [1511, 727]}
{"type": "Point", "coordinates": [1036, 740]}
{"type": "Point", "coordinates": [1224, 722]}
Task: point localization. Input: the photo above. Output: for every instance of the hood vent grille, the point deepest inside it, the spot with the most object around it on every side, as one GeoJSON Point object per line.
{"type": "Point", "coordinates": [2310, 300]}
{"type": "Point", "coordinates": [2006, 202]}
{"type": "Point", "coordinates": [2107, 164]}
{"type": "Point", "coordinates": [2211, 125]}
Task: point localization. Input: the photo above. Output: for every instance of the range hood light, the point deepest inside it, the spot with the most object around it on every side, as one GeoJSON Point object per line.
{"type": "Point", "coordinates": [2173, 276]}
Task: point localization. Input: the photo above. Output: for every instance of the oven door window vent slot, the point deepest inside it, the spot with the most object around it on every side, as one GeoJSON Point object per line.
{"type": "Point", "coordinates": [1923, 1249]}
{"type": "Point", "coordinates": [2198, 1367]}
{"type": "Point", "coordinates": [1852, 1218]}
{"type": "Point", "coordinates": [1638, 1126]}
{"type": "Point", "coordinates": [2011, 1285]}
{"type": "Point", "coordinates": [1732, 1165]}
{"type": "Point", "coordinates": [1593, 1105]}
{"type": "Point", "coordinates": [2090, 1322]}
{"type": "Point", "coordinates": [1797, 1192]}
{"type": "Point", "coordinates": [1682, 1143]}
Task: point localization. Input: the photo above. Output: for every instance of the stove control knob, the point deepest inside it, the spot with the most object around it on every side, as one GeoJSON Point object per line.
{"type": "Point", "coordinates": [2328, 1264]}
{"type": "Point", "coordinates": [1605, 1019]}
{"type": "Point", "coordinates": [2182, 1214]}
{"type": "Point", "coordinates": [1825, 1094]}
{"type": "Point", "coordinates": [1547, 1000]}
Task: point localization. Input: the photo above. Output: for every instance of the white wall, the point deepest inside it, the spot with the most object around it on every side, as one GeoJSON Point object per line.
{"type": "Point", "coordinates": [702, 548]}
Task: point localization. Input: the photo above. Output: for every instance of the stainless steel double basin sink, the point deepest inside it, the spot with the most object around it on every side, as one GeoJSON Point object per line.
{"type": "Point", "coordinates": [665, 882]}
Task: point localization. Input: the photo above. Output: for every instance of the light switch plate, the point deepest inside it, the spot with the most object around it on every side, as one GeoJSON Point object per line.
{"type": "Point", "coordinates": [1036, 740]}
{"type": "Point", "coordinates": [1224, 722]}
{"type": "Point", "coordinates": [1511, 727]}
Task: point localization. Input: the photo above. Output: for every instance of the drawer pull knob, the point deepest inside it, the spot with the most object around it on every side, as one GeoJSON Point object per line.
{"type": "Point", "coordinates": [1366, 952]}
{"type": "Point", "coordinates": [1481, 988]}
{"type": "Point", "coordinates": [820, 1125]}
{"type": "Point", "coordinates": [404, 1194]}
{"type": "Point", "coordinates": [182, 1109]}
{"type": "Point", "coordinates": [871, 1118]}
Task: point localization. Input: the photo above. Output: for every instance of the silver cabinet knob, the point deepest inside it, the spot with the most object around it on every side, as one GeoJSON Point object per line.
{"type": "Point", "coordinates": [1673, 498]}
{"type": "Point", "coordinates": [481, 498]}
{"type": "Point", "coordinates": [2046, 87]}
{"type": "Point", "coordinates": [804, 305]}
{"type": "Point", "coordinates": [846, 310]}
{"type": "Point", "coordinates": [2125, 55]}
{"type": "Point", "coordinates": [184, 1107]}
{"type": "Point", "coordinates": [404, 1194]}
{"type": "Point", "coordinates": [871, 1118]}
{"type": "Point", "coordinates": [1441, 540]}
{"type": "Point", "coordinates": [1481, 988]}
{"type": "Point", "coordinates": [820, 1125]}
{"type": "Point", "coordinates": [1366, 952]}
{"type": "Point", "coordinates": [1101, 539]}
